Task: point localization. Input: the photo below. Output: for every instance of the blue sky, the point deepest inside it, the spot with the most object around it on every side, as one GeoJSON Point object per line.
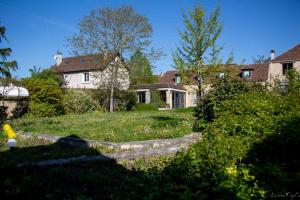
{"type": "Point", "coordinates": [36, 29]}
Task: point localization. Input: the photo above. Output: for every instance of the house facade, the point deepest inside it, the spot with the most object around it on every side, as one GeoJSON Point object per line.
{"type": "Point", "coordinates": [178, 95]}
{"type": "Point", "coordinates": [171, 90]}
{"type": "Point", "coordinates": [90, 72]}
{"type": "Point", "coordinates": [275, 69]}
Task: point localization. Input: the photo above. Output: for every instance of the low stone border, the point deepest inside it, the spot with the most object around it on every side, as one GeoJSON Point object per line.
{"type": "Point", "coordinates": [118, 156]}
{"type": "Point", "coordinates": [122, 146]}
{"type": "Point", "coordinates": [138, 149]}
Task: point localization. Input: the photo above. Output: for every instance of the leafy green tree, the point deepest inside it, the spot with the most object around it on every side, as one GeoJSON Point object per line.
{"type": "Point", "coordinates": [198, 39]}
{"type": "Point", "coordinates": [45, 74]}
{"type": "Point", "coordinates": [140, 69]}
{"type": "Point", "coordinates": [6, 66]}
{"type": "Point", "coordinates": [105, 31]}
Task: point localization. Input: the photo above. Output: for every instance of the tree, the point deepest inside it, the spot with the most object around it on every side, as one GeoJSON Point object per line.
{"type": "Point", "coordinates": [197, 39]}
{"type": "Point", "coordinates": [140, 69]}
{"type": "Point", "coordinates": [45, 74]}
{"type": "Point", "coordinates": [117, 31]}
{"type": "Point", "coordinates": [260, 59]}
{"type": "Point", "coordinates": [6, 66]}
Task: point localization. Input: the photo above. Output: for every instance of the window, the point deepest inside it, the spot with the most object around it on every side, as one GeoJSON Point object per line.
{"type": "Point", "coordinates": [177, 79]}
{"type": "Point", "coordinates": [286, 67]}
{"type": "Point", "coordinates": [141, 97]}
{"type": "Point", "coordinates": [86, 77]}
{"type": "Point", "coordinates": [247, 74]}
{"type": "Point", "coordinates": [222, 75]}
{"type": "Point", "coordinates": [82, 60]}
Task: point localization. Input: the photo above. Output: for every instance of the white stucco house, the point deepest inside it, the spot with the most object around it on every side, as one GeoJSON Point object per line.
{"type": "Point", "coordinates": [90, 72]}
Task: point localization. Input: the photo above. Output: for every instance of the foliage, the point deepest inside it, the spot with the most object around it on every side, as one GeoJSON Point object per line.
{"type": "Point", "coordinates": [6, 66]}
{"type": "Point", "coordinates": [43, 93]}
{"type": "Point", "coordinates": [46, 74]}
{"type": "Point", "coordinates": [145, 106]}
{"type": "Point", "coordinates": [156, 99]}
{"type": "Point", "coordinates": [124, 100]}
{"type": "Point", "coordinates": [40, 109]}
{"type": "Point", "coordinates": [119, 31]}
{"type": "Point", "coordinates": [235, 159]}
{"type": "Point", "coordinates": [140, 69]}
{"type": "Point", "coordinates": [78, 101]}
{"type": "Point", "coordinates": [198, 38]}
{"type": "Point", "coordinates": [294, 80]}
{"type": "Point", "coordinates": [223, 89]}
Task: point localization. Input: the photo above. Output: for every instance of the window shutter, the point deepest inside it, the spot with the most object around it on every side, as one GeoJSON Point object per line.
{"type": "Point", "coordinates": [148, 97]}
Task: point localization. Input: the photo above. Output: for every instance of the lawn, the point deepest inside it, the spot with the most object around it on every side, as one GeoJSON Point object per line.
{"type": "Point", "coordinates": [115, 127]}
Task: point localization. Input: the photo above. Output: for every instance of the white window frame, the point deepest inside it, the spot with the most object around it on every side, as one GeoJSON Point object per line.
{"type": "Point", "coordinates": [84, 78]}
{"type": "Point", "coordinates": [250, 73]}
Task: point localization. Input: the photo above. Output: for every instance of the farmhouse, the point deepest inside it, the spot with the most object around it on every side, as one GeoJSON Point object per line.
{"type": "Point", "coordinates": [90, 72]}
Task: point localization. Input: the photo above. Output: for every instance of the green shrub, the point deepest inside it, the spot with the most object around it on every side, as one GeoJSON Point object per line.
{"type": "Point", "coordinates": [242, 154]}
{"type": "Point", "coordinates": [124, 100]}
{"type": "Point", "coordinates": [145, 106]}
{"type": "Point", "coordinates": [44, 93]}
{"type": "Point", "coordinates": [156, 99]}
{"type": "Point", "coordinates": [223, 89]}
{"type": "Point", "coordinates": [78, 101]}
{"type": "Point", "coordinates": [37, 109]}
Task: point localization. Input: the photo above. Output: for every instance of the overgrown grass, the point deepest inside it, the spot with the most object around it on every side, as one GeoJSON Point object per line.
{"type": "Point", "coordinates": [116, 127]}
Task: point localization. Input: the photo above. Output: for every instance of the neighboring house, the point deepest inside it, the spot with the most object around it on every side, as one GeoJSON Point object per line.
{"type": "Point", "coordinates": [90, 72]}
{"type": "Point", "coordinates": [172, 91]}
{"type": "Point", "coordinates": [275, 69]}
{"type": "Point", "coordinates": [178, 95]}
{"type": "Point", "coordinates": [280, 65]}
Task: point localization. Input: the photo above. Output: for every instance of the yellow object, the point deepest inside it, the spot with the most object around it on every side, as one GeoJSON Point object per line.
{"type": "Point", "coordinates": [9, 131]}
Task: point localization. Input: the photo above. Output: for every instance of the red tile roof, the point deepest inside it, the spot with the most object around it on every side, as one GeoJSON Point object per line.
{"type": "Point", "coordinates": [291, 55]}
{"type": "Point", "coordinates": [84, 63]}
{"type": "Point", "coordinates": [169, 78]}
{"type": "Point", "coordinates": [259, 71]}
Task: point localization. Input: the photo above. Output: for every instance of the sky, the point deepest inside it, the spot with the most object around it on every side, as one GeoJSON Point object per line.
{"type": "Point", "coordinates": [36, 29]}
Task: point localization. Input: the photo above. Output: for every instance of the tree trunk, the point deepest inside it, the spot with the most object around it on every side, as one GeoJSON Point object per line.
{"type": "Point", "coordinates": [200, 86]}
{"type": "Point", "coordinates": [111, 99]}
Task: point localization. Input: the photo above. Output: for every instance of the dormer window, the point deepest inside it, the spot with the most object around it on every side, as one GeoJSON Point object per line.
{"type": "Point", "coordinates": [286, 67]}
{"type": "Point", "coordinates": [177, 79]}
{"type": "Point", "coordinates": [222, 75]}
{"type": "Point", "coordinates": [247, 73]}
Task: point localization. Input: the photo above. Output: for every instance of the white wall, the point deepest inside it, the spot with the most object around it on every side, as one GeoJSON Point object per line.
{"type": "Point", "coordinates": [97, 79]}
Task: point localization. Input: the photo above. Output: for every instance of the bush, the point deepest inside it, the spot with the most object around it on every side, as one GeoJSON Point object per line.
{"type": "Point", "coordinates": [156, 99]}
{"type": "Point", "coordinates": [241, 156]}
{"type": "Point", "coordinates": [143, 106]}
{"type": "Point", "coordinates": [44, 93]}
{"type": "Point", "coordinates": [223, 89]}
{"type": "Point", "coordinates": [42, 110]}
{"type": "Point", "coordinates": [78, 101]}
{"type": "Point", "coordinates": [123, 100]}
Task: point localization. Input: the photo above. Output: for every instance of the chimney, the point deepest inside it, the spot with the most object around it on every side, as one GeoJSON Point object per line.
{"type": "Point", "coordinates": [58, 58]}
{"type": "Point", "coordinates": [272, 55]}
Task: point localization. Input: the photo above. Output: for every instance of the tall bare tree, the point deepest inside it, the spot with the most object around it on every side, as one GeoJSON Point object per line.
{"type": "Point", "coordinates": [197, 39]}
{"type": "Point", "coordinates": [114, 31]}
